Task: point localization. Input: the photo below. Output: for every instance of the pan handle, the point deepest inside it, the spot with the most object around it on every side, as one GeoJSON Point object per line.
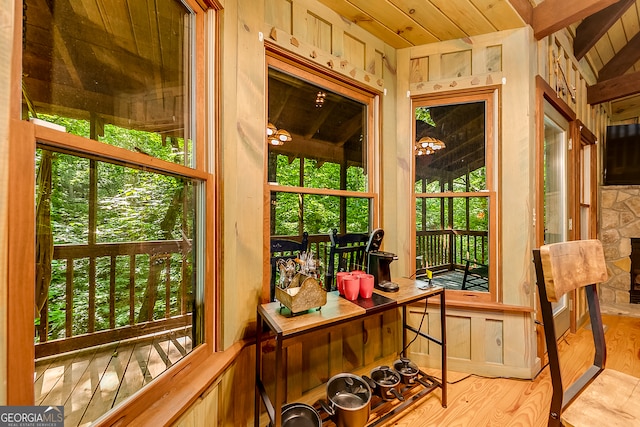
{"type": "Point", "coordinates": [397, 394]}
{"type": "Point", "coordinates": [369, 381]}
{"type": "Point", "coordinates": [423, 382]}
{"type": "Point", "coordinates": [326, 407]}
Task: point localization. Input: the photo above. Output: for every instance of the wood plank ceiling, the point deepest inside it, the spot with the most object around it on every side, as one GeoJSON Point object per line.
{"type": "Point", "coordinates": [606, 33]}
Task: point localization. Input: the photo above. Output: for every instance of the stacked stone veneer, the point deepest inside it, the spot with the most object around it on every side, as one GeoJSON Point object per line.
{"type": "Point", "coordinates": [619, 222]}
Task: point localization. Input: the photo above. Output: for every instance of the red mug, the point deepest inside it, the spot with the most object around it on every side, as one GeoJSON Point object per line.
{"type": "Point", "coordinates": [351, 286]}
{"type": "Point", "coordinates": [339, 280]}
{"type": "Point", "coordinates": [366, 285]}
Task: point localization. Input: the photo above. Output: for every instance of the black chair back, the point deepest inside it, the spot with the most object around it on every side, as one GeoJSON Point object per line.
{"type": "Point", "coordinates": [284, 249]}
{"type": "Point", "coordinates": [347, 252]}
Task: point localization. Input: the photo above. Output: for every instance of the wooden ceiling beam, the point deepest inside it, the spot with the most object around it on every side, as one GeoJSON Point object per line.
{"type": "Point", "coordinates": [617, 87]}
{"type": "Point", "coordinates": [524, 9]}
{"type": "Point", "coordinates": [622, 61]}
{"type": "Point", "coordinates": [592, 28]}
{"type": "Point", "coordinates": [553, 15]}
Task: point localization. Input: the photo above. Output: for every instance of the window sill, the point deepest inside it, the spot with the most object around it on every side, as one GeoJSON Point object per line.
{"type": "Point", "coordinates": [483, 305]}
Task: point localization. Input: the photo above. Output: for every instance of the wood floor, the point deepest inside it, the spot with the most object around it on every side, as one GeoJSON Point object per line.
{"type": "Point", "coordinates": [90, 382]}
{"type": "Point", "coordinates": [477, 401]}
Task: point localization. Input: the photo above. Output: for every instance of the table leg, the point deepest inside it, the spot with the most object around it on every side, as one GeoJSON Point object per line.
{"type": "Point", "coordinates": [443, 332]}
{"type": "Point", "coordinates": [258, 396]}
{"type": "Point", "coordinates": [279, 383]}
{"type": "Point", "coordinates": [404, 331]}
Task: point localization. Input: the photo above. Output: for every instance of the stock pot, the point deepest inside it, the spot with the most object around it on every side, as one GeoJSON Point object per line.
{"type": "Point", "coordinates": [386, 382]}
{"type": "Point", "coordinates": [349, 398]}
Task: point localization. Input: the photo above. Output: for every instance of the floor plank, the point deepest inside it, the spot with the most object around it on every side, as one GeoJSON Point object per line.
{"type": "Point", "coordinates": [479, 401]}
{"type": "Point", "coordinates": [92, 381]}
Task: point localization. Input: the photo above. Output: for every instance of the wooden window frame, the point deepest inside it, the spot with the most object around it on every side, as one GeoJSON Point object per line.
{"type": "Point", "coordinates": [284, 61]}
{"type": "Point", "coordinates": [177, 384]}
{"type": "Point", "coordinates": [491, 96]}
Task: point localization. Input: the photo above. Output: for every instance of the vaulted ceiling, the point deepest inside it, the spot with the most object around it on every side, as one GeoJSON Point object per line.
{"type": "Point", "coordinates": [606, 33]}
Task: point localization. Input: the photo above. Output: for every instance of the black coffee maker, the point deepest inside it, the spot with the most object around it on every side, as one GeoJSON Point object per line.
{"type": "Point", "coordinates": [378, 263]}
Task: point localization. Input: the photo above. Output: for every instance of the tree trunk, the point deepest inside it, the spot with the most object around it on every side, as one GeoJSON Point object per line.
{"type": "Point", "coordinates": [44, 236]}
{"type": "Point", "coordinates": [157, 262]}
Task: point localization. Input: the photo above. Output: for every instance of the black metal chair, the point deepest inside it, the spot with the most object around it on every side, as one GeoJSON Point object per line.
{"type": "Point", "coordinates": [346, 253]}
{"type": "Point", "coordinates": [476, 275]}
{"type": "Point", "coordinates": [284, 249]}
{"type": "Point", "coordinates": [599, 396]}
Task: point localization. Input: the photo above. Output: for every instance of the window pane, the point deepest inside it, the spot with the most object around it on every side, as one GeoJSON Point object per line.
{"type": "Point", "coordinates": [453, 251]}
{"type": "Point", "coordinates": [321, 175]}
{"type": "Point", "coordinates": [102, 72]}
{"type": "Point", "coordinates": [287, 208]}
{"type": "Point", "coordinates": [430, 213]}
{"type": "Point", "coordinates": [450, 148]}
{"type": "Point", "coordinates": [288, 172]}
{"type": "Point", "coordinates": [358, 214]}
{"type": "Point", "coordinates": [321, 213]}
{"type": "Point", "coordinates": [116, 254]}
{"type": "Point", "coordinates": [324, 128]}
{"type": "Point", "coordinates": [134, 205]}
{"type": "Point", "coordinates": [318, 214]}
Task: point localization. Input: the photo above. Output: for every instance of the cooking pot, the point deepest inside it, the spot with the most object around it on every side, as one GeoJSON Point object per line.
{"type": "Point", "coordinates": [349, 398]}
{"type": "Point", "coordinates": [300, 415]}
{"type": "Point", "coordinates": [409, 372]}
{"type": "Point", "coordinates": [386, 383]}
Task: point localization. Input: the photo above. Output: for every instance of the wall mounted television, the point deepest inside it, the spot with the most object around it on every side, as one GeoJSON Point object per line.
{"type": "Point", "coordinates": [622, 155]}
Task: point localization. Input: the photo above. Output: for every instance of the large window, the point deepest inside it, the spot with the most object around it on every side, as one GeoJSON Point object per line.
{"type": "Point", "coordinates": [454, 191]}
{"type": "Point", "coordinates": [120, 194]}
{"type": "Point", "coordinates": [320, 156]}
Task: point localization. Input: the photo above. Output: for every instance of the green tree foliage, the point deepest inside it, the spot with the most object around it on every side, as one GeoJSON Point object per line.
{"type": "Point", "coordinates": [316, 214]}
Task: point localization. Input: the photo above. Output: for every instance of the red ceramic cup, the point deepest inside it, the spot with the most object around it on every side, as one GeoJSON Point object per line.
{"type": "Point", "coordinates": [358, 272]}
{"type": "Point", "coordinates": [351, 285]}
{"type": "Point", "coordinates": [366, 285]}
{"type": "Point", "coordinates": [339, 278]}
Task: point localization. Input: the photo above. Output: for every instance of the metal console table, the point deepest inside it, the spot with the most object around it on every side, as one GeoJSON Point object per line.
{"type": "Point", "coordinates": [338, 310]}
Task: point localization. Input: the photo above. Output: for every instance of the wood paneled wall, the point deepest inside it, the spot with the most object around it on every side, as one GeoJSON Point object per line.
{"type": "Point", "coordinates": [570, 79]}
{"type": "Point", "coordinates": [487, 342]}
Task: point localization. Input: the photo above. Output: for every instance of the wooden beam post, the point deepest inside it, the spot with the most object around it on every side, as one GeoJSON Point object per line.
{"type": "Point", "coordinates": [553, 15]}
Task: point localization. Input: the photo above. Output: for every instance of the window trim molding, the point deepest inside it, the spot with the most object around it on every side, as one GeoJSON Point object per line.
{"type": "Point", "coordinates": [23, 138]}
{"type": "Point", "coordinates": [491, 95]}
{"type": "Point", "coordinates": [280, 59]}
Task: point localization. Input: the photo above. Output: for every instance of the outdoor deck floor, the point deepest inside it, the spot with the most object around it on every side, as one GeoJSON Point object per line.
{"type": "Point", "coordinates": [453, 280]}
{"type": "Point", "coordinates": [90, 382]}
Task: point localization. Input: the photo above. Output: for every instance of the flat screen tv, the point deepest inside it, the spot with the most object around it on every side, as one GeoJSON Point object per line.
{"type": "Point", "coordinates": [622, 155]}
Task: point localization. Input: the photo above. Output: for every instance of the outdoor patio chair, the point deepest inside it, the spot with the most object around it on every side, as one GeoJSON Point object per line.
{"type": "Point", "coordinates": [476, 275]}
{"type": "Point", "coordinates": [284, 249]}
{"type": "Point", "coordinates": [349, 250]}
{"type": "Point", "coordinates": [600, 396]}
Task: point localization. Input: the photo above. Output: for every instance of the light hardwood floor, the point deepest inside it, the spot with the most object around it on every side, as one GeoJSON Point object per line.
{"type": "Point", "coordinates": [476, 401]}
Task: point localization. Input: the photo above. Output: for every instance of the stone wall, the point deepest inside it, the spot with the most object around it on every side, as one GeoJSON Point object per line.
{"type": "Point", "coordinates": [619, 222]}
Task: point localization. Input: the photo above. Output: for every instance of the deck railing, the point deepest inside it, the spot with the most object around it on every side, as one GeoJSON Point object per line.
{"type": "Point", "coordinates": [448, 249]}
{"type": "Point", "coordinates": [114, 291]}
{"type": "Point", "coordinates": [92, 303]}
{"type": "Point", "coordinates": [435, 249]}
